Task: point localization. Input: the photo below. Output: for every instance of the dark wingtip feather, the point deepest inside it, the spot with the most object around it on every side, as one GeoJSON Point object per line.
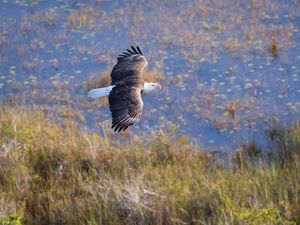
{"type": "Point", "coordinates": [139, 50]}
{"type": "Point", "coordinates": [117, 126]}
{"type": "Point", "coordinates": [126, 53]}
{"type": "Point", "coordinates": [121, 125]}
{"type": "Point", "coordinates": [120, 129]}
{"type": "Point", "coordinates": [128, 126]}
{"type": "Point", "coordinates": [135, 51]}
{"type": "Point", "coordinates": [123, 55]}
{"type": "Point", "coordinates": [131, 52]}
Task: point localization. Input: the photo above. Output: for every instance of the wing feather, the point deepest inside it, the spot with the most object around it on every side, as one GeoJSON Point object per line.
{"type": "Point", "coordinates": [129, 66]}
{"type": "Point", "coordinates": [127, 53]}
{"type": "Point", "coordinates": [139, 50]}
{"type": "Point", "coordinates": [135, 51]}
{"type": "Point", "coordinates": [126, 106]}
{"type": "Point", "coordinates": [125, 99]}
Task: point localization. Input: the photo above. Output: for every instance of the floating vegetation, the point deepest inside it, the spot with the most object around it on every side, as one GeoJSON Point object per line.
{"type": "Point", "coordinates": [232, 45]}
{"type": "Point", "coordinates": [222, 70]}
{"type": "Point", "coordinates": [274, 48]}
{"type": "Point", "coordinates": [86, 18]}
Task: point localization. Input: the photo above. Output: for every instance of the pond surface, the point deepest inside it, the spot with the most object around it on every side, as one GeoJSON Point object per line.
{"type": "Point", "coordinates": [228, 68]}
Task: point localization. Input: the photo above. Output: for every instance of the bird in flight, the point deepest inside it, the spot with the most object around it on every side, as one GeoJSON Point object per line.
{"type": "Point", "coordinates": [127, 86]}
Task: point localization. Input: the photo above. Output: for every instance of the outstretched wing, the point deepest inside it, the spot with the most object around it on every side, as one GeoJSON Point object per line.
{"type": "Point", "coordinates": [129, 66]}
{"type": "Point", "coordinates": [126, 106]}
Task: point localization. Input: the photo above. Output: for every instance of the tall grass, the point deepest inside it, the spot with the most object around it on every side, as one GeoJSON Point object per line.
{"type": "Point", "coordinates": [54, 172]}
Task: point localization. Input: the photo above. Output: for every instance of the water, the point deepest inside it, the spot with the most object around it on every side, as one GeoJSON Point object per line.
{"type": "Point", "coordinates": [228, 67]}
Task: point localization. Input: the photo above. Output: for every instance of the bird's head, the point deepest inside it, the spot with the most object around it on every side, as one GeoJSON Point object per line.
{"type": "Point", "coordinates": [149, 87]}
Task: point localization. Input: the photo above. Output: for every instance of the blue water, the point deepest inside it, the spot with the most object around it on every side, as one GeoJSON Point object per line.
{"type": "Point", "coordinates": [211, 54]}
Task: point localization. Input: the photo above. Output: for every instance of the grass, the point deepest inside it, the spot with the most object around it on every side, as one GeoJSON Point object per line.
{"type": "Point", "coordinates": [54, 172]}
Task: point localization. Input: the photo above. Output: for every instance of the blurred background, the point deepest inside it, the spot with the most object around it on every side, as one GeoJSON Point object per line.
{"type": "Point", "coordinates": [230, 70]}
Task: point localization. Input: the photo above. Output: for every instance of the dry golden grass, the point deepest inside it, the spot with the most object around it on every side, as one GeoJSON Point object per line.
{"type": "Point", "coordinates": [98, 81]}
{"type": "Point", "coordinates": [57, 173]}
{"type": "Point", "coordinates": [153, 76]}
{"type": "Point", "coordinates": [52, 171]}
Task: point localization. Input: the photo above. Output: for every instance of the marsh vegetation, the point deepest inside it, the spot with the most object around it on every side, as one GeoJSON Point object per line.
{"type": "Point", "coordinates": [57, 173]}
{"type": "Point", "coordinates": [219, 144]}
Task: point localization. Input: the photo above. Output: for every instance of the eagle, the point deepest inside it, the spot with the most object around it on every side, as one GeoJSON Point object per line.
{"type": "Point", "coordinates": [125, 92]}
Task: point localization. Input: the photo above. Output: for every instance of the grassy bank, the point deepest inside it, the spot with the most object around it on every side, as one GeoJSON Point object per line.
{"type": "Point", "coordinates": [57, 173]}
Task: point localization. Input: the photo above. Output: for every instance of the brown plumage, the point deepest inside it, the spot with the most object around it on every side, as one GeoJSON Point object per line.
{"type": "Point", "coordinates": [125, 100]}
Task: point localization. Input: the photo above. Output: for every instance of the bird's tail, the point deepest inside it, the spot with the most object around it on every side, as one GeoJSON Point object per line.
{"type": "Point", "coordinates": [99, 92]}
